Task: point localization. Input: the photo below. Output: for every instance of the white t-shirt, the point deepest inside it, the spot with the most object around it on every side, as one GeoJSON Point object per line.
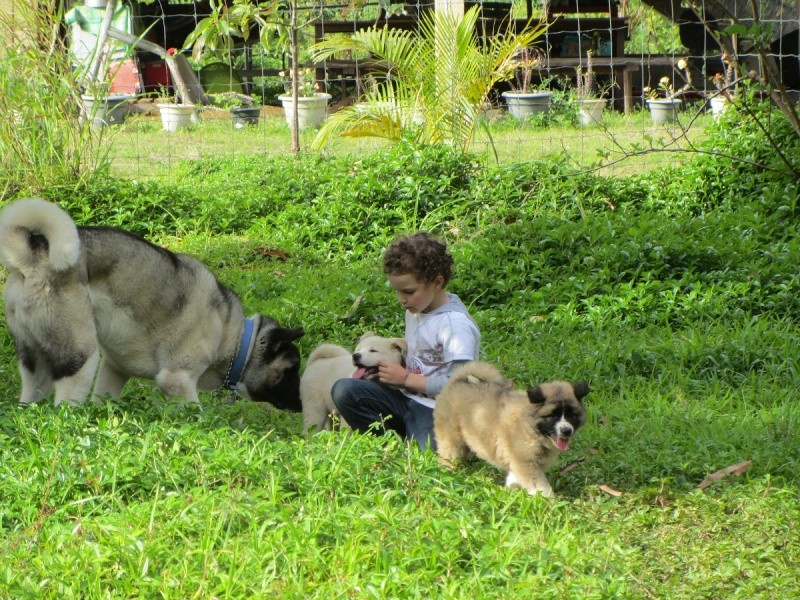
{"type": "Point", "coordinates": [437, 339]}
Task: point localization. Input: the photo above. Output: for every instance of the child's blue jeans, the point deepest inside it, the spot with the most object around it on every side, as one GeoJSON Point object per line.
{"type": "Point", "coordinates": [368, 406]}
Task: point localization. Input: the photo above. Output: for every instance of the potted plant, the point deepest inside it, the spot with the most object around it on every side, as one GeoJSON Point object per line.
{"type": "Point", "coordinates": [591, 103]}
{"type": "Point", "coordinates": [725, 86]}
{"type": "Point", "coordinates": [312, 105]}
{"type": "Point", "coordinates": [276, 25]}
{"type": "Point", "coordinates": [241, 106]}
{"type": "Point", "coordinates": [664, 101]}
{"type": "Point", "coordinates": [175, 115]}
{"type": "Point", "coordinates": [527, 98]}
{"type": "Point", "coordinates": [103, 108]}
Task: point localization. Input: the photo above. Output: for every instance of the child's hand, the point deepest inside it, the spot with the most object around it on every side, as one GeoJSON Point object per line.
{"type": "Point", "coordinates": [391, 373]}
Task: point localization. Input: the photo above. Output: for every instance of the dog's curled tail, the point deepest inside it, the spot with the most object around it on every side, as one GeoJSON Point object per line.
{"type": "Point", "coordinates": [34, 231]}
{"type": "Point", "coordinates": [478, 372]}
{"type": "Point", "coordinates": [327, 351]}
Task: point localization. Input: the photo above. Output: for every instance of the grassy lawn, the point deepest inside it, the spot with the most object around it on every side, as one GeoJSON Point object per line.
{"type": "Point", "coordinates": [675, 297]}
{"type": "Point", "coordinates": [141, 149]}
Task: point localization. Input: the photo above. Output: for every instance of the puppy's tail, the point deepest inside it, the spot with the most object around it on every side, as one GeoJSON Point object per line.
{"type": "Point", "coordinates": [36, 234]}
{"type": "Point", "coordinates": [327, 351]}
{"type": "Point", "coordinates": [478, 372]}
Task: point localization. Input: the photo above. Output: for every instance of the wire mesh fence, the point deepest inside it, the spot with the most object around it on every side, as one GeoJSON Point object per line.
{"type": "Point", "coordinates": [638, 50]}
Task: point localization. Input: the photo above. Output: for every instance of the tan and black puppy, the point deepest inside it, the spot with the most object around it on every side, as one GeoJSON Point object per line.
{"type": "Point", "coordinates": [519, 431]}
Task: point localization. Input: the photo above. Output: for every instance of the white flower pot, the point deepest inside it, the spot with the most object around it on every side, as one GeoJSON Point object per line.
{"type": "Point", "coordinates": [311, 110]}
{"type": "Point", "coordinates": [719, 105]}
{"type": "Point", "coordinates": [108, 110]}
{"type": "Point", "coordinates": [522, 105]}
{"type": "Point", "coordinates": [665, 110]}
{"type": "Point", "coordinates": [590, 111]}
{"type": "Point", "coordinates": [178, 116]}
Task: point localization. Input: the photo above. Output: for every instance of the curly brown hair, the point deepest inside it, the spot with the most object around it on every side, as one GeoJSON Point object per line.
{"type": "Point", "coordinates": [420, 254]}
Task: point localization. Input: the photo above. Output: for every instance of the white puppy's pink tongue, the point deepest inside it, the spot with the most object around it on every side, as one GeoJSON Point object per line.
{"type": "Point", "coordinates": [561, 443]}
{"type": "Point", "coordinates": [360, 373]}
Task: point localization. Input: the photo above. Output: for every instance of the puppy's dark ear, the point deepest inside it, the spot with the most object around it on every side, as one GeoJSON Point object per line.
{"type": "Point", "coordinates": [536, 395]}
{"type": "Point", "coordinates": [581, 388]}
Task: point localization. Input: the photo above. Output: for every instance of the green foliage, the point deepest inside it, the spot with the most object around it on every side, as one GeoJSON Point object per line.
{"type": "Point", "coordinates": [216, 34]}
{"type": "Point", "coordinates": [651, 32]}
{"type": "Point", "coordinates": [44, 143]}
{"type": "Point", "coordinates": [439, 79]}
{"type": "Point", "coordinates": [303, 198]}
{"type": "Point", "coordinates": [737, 160]}
{"type": "Point", "coordinates": [674, 293]}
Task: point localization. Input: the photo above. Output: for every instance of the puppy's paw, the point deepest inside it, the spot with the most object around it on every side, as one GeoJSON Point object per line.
{"type": "Point", "coordinates": [534, 489]}
{"type": "Point", "coordinates": [448, 462]}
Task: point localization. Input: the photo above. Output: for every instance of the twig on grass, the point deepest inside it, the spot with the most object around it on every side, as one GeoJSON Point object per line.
{"type": "Point", "coordinates": [736, 469]}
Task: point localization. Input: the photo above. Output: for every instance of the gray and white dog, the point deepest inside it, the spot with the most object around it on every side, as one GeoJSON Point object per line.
{"type": "Point", "coordinates": [76, 294]}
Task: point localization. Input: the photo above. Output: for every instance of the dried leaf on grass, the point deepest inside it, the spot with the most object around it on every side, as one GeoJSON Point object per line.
{"type": "Point", "coordinates": [271, 253]}
{"type": "Point", "coordinates": [356, 303]}
{"type": "Point", "coordinates": [736, 469]}
{"type": "Point", "coordinates": [570, 466]}
{"type": "Point", "coordinates": [610, 491]}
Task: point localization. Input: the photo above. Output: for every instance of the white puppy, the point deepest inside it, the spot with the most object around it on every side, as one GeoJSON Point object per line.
{"type": "Point", "coordinates": [328, 363]}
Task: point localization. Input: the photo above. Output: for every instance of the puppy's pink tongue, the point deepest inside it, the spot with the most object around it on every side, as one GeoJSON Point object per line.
{"type": "Point", "coordinates": [360, 373]}
{"type": "Point", "coordinates": [562, 444]}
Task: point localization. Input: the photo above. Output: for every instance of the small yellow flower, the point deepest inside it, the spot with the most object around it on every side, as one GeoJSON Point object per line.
{"type": "Point", "coordinates": [682, 64]}
{"type": "Point", "coordinates": [664, 81]}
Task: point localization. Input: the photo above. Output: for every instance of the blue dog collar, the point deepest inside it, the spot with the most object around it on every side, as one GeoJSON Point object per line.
{"type": "Point", "coordinates": [237, 366]}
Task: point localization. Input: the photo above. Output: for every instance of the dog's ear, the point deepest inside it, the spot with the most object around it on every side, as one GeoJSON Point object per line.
{"type": "Point", "coordinates": [536, 395]}
{"type": "Point", "coordinates": [402, 345]}
{"type": "Point", "coordinates": [285, 334]}
{"type": "Point", "coordinates": [366, 335]}
{"type": "Point", "coordinates": [581, 388]}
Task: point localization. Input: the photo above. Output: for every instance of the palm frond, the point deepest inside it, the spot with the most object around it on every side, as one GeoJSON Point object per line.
{"type": "Point", "coordinates": [439, 77]}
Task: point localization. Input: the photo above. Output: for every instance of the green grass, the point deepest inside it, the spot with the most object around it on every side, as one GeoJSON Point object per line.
{"type": "Point", "coordinates": [674, 292]}
{"type": "Point", "coordinates": [141, 149]}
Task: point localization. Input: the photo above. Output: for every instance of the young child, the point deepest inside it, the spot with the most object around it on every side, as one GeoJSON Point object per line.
{"type": "Point", "coordinates": [441, 336]}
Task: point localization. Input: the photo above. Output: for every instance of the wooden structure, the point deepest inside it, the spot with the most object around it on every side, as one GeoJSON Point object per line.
{"type": "Point", "coordinates": [783, 31]}
{"type": "Point", "coordinates": [567, 40]}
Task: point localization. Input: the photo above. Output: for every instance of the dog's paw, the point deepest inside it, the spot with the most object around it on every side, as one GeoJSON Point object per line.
{"type": "Point", "coordinates": [447, 462]}
{"type": "Point", "coordinates": [547, 493]}
{"type": "Point", "coordinates": [534, 489]}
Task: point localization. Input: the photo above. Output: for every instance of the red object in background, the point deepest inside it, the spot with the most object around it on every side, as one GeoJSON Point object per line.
{"type": "Point", "coordinates": [125, 77]}
{"type": "Point", "coordinates": [156, 76]}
